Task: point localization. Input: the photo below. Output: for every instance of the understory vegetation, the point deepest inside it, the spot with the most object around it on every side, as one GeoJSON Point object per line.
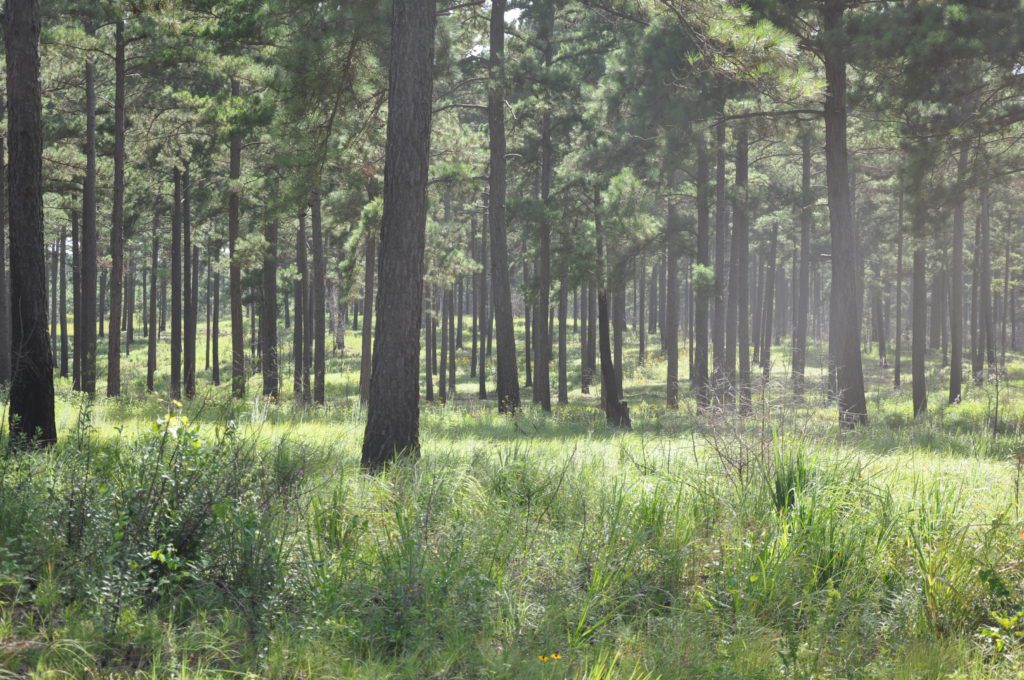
{"type": "Point", "coordinates": [222, 539]}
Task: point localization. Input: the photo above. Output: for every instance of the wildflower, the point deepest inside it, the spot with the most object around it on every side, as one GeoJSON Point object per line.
{"type": "Point", "coordinates": [543, 658]}
{"type": "Point", "coordinates": [555, 656]}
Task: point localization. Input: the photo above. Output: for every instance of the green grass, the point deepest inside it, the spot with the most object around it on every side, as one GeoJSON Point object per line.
{"type": "Point", "coordinates": [248, 542]}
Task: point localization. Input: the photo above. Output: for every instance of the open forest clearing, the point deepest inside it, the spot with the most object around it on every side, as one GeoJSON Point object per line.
{"type": "Point", "coordinates": [589, 339]}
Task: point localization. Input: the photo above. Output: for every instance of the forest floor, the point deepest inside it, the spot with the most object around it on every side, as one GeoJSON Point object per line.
{"type": "Point", "coordinates": [241, 539]}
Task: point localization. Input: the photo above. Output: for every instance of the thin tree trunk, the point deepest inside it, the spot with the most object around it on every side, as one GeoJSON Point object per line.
{"type": "Point", "coordinates": [175, 388]}
{"type": "Point", "coordinates": [88, 237]}
{"type": "Point", "coordinates": [367, 348]}
{"type": "Point", "coordinates": [919, 312]}
{"type": "Point", "coordinates": [702, 293]}
{"type": "Point", "coordinates": [63, 313]}
{"type": "Point", "coordinates": [189, 348]}
{"type": "Point", "coordinates": [673, 228]}
{"type": "Point", "coordinates": [117, 219]}
{"type": "Point", "coordinates": [319, 304]}
{"type": "Point", "coordinates": [153, 334]}
{"type": "Point", "coordinates": [898, 335]}
{"type": "Point", "coordinates": [268, 319]}
{"type": "Point", "coordinates": [235, 267]}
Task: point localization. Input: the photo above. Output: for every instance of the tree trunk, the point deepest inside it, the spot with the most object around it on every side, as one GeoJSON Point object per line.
{"type": "Point", "coordinates": [235, 267]}
{"type": "Point", "coordinates": [616, 410]}
{"type": "Point", "coordinates": [175, 388]}
{"type": "Point", "coordinates": [153, 335]}
{"type": "Point", "coordinates": [563, 347]}
{"type": "Point", "coordinates": [741, 227]}
{"type": "Point", "coordinates": [919, 311]}
{"type": "Point", "coordinates": [769, 305]}
{"type": "Point", "coordinates": [485, 319]}
{"type": "Point", "coordinates": [63, 313]}
{"type": "Point", "coordinates": [5, 295]}
{"type": "Point", "coordinates": [117, 219]}
{"type": "Point", "coordinates": [367, 348]}
{"type": "Point", "coordinates": [845, 306]}
{"type": "Point", "coordinates": [88, 240]}
{"type": "Point", "coordinates": [319, 303]}
{"type": "Point", "coordinates": [188, 300]}
{"type": "Point", "coordinates": [898, 334]}
{"type": "Point", "coordinates": [392, 424]}
{"type": "Point", "coordinates": [299, 343]}
{"type": "Point", "coordinates": [673, 227]}
{"type": "Point", "coordinates": [268, 319]}
{"type": "Point", "coordinates": [31, 403]}
{"type": "Point", "coordinates": [702, 294]}
{"type": "Point", "coordinates": [803, 292]}
{"type": "Point", "coordinates": [76, 302]}
{"type": "Point", "coordinates": [507, 371]}
{"type": "Point", "coordinates": [721, 266]}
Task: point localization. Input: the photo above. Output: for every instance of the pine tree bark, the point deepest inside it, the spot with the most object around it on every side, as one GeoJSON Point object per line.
{"type": "Point", "coordinates": [5, 292]}
{"type": "Point", "coordinates": [63, 313]}
{"type": "Point", "coordinates": [299, 341]}
{"type": "Point", "coordinates": [769, 305]}
{"type": "Point", "coordinates": [31, 402]}
{"type": "Point", "coordinates": [175, 386]}
{"type": "Point", "coordinates": [235, 268]}
{"type": "Point", "coordinates": [117, 219]}
{"type": "Point", "coordinates": [673, 227]}
{"type": "Point", "coordinates": [153, 334]}
{"type": "Point", "coordinates": [845, 303]}
{"type": "Point", "coordinates": [919, 311]}
{"type": "Point", "coordinates": [702, 295]}
{"type": "Point", "coordinates": [507, 371]}
{"type": "Point", "coordinates": [720, 377]}
{"type": "Point", "coordinates": [318, 302]}
{"type": "Point", "coordinates": [392, 424]}
{"type": "Point", "coordinates": [366, 351]}
{"type": "Point", "coordinates": [803, 292]}
{"type": "Point", "coordinates": [76, 301]}
{"type": "Point", "coordinates": [268, 319]}
{"type": "Point", "coordinates": [898, 334]}
{"type": "Point", "coordinates": [88, 240]}
{"type": "Point", "coordinates": [188, 284]}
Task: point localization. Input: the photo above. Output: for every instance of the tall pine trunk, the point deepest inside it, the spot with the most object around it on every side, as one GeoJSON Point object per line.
{"type": "Point", "coordinates": [268, 319]}
{"type": "Point", "coordinates": [31, 403]}
{"type": "Point", "coordinates": [392, 422]}
{"type": "Point", "coordinates": [117, 219]}
{"type": "Point", "coordinates": [845, 305]}
{"type": "Point", "coordinates": [507, 371]}
{"type": "Point", "coordinates": [235, 267]}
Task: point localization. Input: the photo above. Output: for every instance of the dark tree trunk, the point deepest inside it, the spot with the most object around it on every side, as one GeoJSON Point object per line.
{"type": "Point", "coordinates": [31, 407]}
{"type": "Point", "coordinates": [641, 305]}
{"type": "Point", "coordinates": [63, 313]}
{"type": "Point", "coordinates": [153, 335]}
{"type": "Point", "coordinates": [76, 303]}
{"type": "Point", "coordinates": [175, 389]}
{"type": "Point", "coordinates": [898, 335]}
{"type": "Point", "coordinates": [318, 303]}
{"type": "Point", "coordinates": [592, 322]}
{"type": "Point", "coordinates": [845, 305]}
{"type": "Point", "coordinates": [215, 334]}
{"type": "Point", "coordinates": [484, 314]}
{"type": "Point", "coordinates": [769, 305]}
{"type": "Point", "coordinates": [803, 293]}
{"type": "Point", "coordinates": [741, 226]}
{"type": "Point", "coordinates": [446, 320]}
{"type": "Point", "coordinates": [563, 347]}
{"type": "Point", "coordinates": [300, 381]}
{"type": "Point", "coordinates": [100, 303]}
{"type": "Point", "coordinates": [919, 311]}
{"type": "Point", "coordinates": [673, 227]}
{"type": "Point", "coordinates": [392, 424]}
{"type": "Point", "coordinates": [235, 268]}
{"type": "Point", "coordinates": [702, 294]}
{"type": "Point", "coordinates": [507, 371]}
{"type": "Point", "coordinates": [721, 266]}
{"type": "Point", "coordinates": [268, 319]}
{"type": "Point", "coordinates": [88, 240]}
{"type": "Point", "coordinates": [365, 355]}
{"type": "Point", "coordinates": [117, 219]}
{"type": "Point", "coordinates": [452, 314]}
{"type": "Point", "coordinates": [188, 300]}
{"type": "Point", "coordinates": [473, 300]}
{"type": "Point", "coordinates": [5, 294]}
{"type": "Point", "coordinates": [616, 410]}
{"type": "Point", "coordinates": [985, 312]}
{"type": "Point", "coordinates": [528, 322]}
